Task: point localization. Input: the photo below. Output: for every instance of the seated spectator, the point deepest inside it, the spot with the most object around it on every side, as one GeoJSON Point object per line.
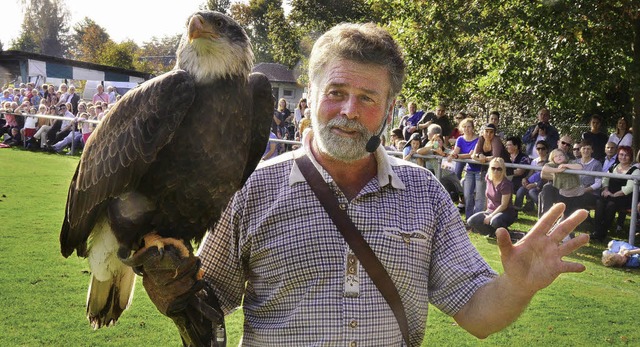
{"type": "Point", "coordinates": [61, 128]}
{"type": "Point", "coordinates": [543, 130]}
{"type": "Point", "coordinates": [395, 138]}
{"type": "Point", "coordinates": [12, 139]}
{"type": "Point", "coordinates": [411, 148]}
{"type": "Point", "coordinates": [532, 184]}
{"type": "Point", "coordinates": [46, 125]}
{"type": "Point", "coordinates": [591, 184]}
{"type": "Point", "coordinates": [611, 156]}
{"type": "Point", "coordinates": [513, 145]}
{"type": "Point", "coordinates": [621, 254]}
{"type": "Point", "coordinates": [30, 125]}
{"type": "Point", "coordinates": [570, 191]}
{"type": "Point", "coordinates": [499, 212]}
{"type": "Point", "coordinates": [489, 146]}
{"type": "Point", "coordinates": [434, 146]}
{"type": "Point", "coordinates": [86, 128]}
{"type": "Point", "coordinates": [410, 125]}
{"type": "Point", "coordinates": [616, 194]}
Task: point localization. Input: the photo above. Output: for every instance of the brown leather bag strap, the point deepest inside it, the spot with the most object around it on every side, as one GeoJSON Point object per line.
{"type": "Point", "coordinates": [359, 246]}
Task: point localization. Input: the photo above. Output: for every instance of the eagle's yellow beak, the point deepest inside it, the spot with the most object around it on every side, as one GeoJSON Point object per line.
{"type": "Point", "coordinates": [199, 28]}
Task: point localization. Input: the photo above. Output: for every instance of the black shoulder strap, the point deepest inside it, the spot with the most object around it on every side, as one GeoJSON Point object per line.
{"type": "Point", "coordinates": [358, 245]}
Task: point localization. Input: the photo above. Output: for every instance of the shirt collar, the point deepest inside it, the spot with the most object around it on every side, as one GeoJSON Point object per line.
{"type": "Point", "coordinates": [385, 174]}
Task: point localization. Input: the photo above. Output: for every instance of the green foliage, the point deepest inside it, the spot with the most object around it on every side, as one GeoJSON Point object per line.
{"type": "Point", "coordinates": [283, 37]}
{"type": "Point", "coordinates": [218, 5]}
{"type": "Point", "coordinates": [158, 55]}
{"type": "Point", "coordinates": [119, 54]}
{"type": "Point", "coordinates": [89, 40]}
{"type": "Point", "coordinates": [319, 16]}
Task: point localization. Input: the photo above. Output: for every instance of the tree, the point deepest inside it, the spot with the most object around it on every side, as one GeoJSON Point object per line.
{"type": "Point", "coordinates": [121, 55]}
{"type": "Point", "coordinates": [317, 16]}
{"type": "Point", "coordinates": [158, 55]}
{"type": "Point", "coordinates": [89, 41]}
{"type": "Point", "coordinates": [45, 24]}
{"type": "Point", "coordinates": [283, 38]}
{"type": "Point", "coordinates": [218, 5]}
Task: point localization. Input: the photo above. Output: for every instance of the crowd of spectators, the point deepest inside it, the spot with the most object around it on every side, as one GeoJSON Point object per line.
{"type": "Point", "coordinates": [485, 189]}
{"type": "Point", "coordinates": [21, 108]}
{"type": "Point", "coordinates": [492, 194]}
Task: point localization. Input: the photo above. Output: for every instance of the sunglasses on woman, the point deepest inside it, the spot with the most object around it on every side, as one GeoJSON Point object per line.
{"type": "Point", "coordinates": [494, 168]}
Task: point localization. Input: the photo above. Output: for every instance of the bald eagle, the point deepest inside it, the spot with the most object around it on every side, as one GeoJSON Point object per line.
{"type": "Point", "coordinates": [167, 158]}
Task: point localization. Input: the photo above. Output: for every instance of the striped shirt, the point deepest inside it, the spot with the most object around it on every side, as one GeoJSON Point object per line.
{"type": "Point", "coordinates": [301, 289]}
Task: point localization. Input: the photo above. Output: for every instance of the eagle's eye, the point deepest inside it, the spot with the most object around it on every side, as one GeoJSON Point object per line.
{"type": "Point", "coordinates": [219, 23]}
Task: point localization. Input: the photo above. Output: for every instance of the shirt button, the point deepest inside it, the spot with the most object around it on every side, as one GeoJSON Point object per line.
{"type": "Point", "coordinates": [343, 206]}
{"type": "Point", "coordinates": [353, 324]}
{"type": "Point", "coordinates": [353, 344]}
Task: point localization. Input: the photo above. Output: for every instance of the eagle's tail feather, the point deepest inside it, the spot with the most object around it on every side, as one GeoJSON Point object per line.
{"type": "Point", "coordinates": [107, 299]}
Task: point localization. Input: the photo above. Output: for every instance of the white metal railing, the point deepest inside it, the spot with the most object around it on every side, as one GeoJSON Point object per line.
{"type": "Point", "coordinates": [636, 180]}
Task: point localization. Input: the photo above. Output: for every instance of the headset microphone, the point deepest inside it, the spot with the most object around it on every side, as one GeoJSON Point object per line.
{"type": "Point", "coordinates": [374, 141]}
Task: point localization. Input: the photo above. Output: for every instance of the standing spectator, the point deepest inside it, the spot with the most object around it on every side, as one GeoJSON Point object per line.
{"type": "Point", "coordinates": [464, 147]}
{"type": "Point", "coordinates": [440, 119]}
{"type": "Point", "coordinates": [299, 112]}
{"type": "Point", "coordinates": [488, 147]}
{"type": "Point", "coordinates": [494, 118]}
{"type": "Point", "coordinates": [616, 194]}
{"type": "Point", "coordinates": [513, 146]}
{"type": "Point", "coordinates": [280, 115]}
{"type": "Point", "coordinates": [113, 95]}
{"type": "Point", "coordinates": [74, 99]}
{"type": "Point", "coordinates": [100, 95]}
{"type": "Point", "coordinates": [457, 131]}
{"type": "Point", "coordinates": [64, 95]}
{"type": "Point", "coordinates": [543, 130]}
{"type": "Point", "coordinates": [611, 156]}
{"type": "Point", "coordinates": [622, 136]}
{"type": "Point", "coordinates": [596, 137]}
{"type": "Point", "coordinates": [272, 148]}
{"type": "Point", "coordinates": [499, 212]}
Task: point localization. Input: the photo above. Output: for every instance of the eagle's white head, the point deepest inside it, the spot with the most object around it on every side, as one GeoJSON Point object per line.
{"type": "Point", "coordinates": [213, 47]}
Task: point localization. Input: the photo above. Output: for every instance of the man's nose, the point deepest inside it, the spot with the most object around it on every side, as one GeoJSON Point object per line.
{"type": "Point", "coordinates": [350, 108]}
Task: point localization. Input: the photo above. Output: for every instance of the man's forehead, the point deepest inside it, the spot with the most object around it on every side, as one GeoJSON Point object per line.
{"type": "Point", "coordinates": [566, 139]}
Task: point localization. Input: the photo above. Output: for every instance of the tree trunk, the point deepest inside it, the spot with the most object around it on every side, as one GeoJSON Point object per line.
{"type": "Point", "coordinates": [635, 82]}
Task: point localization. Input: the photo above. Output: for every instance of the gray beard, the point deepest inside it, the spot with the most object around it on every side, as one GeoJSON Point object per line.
{"type": "Point", "coordinates": [341, 148]}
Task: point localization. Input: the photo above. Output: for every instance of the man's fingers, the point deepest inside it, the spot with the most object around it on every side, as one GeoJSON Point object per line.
{"type": "Point", "coordinates": [561, 230]}
{"type": "Point", "coordinates": [504, 241]}
{"type": "Point", "coordinates": [572, 267]}
{"type": "Point", "coordinates": [548, 220]}
{"type": "Point", "coordinates": [573, 244]}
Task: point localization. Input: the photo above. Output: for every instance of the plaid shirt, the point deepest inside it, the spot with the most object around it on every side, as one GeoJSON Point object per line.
{"type": "Point", "coordinates": [301, 289]}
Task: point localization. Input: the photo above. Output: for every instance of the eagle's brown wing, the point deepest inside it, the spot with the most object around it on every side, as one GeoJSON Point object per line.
{"type": "Point", "coordinates": [121, 149]}
{"type": "Point", "coordinates": [263, 102]}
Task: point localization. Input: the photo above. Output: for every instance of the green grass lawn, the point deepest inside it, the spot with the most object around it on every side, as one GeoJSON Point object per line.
{"type": "Point", "coordinates": [42, 294]}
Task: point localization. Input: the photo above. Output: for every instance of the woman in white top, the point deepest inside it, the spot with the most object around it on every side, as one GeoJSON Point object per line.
{"type": "Point", "coordinates": [622, 136]}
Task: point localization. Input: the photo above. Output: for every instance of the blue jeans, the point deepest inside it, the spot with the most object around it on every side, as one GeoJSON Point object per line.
{"type": "Point", "coordinates": [499, 220]}
{"type": "Point", "coordinates": [473, 191]}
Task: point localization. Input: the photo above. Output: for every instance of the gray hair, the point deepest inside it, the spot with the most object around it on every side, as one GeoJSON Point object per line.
{"type": "Point", "coordinates": [362, 43]}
